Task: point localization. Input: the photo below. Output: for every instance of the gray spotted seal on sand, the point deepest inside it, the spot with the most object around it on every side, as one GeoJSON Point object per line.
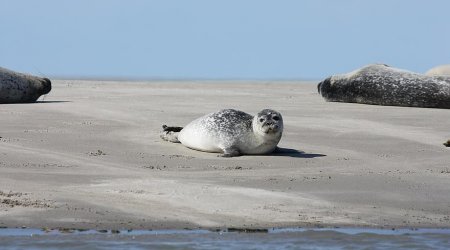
{"type": "Point", "coordinates": [382, 85]}
{"type": "Point", "coordinates": [230, 132]}
{"type": "Point", "coordinates": [21, 88]}
{"type": "Point", "coordinates": [442, 70]}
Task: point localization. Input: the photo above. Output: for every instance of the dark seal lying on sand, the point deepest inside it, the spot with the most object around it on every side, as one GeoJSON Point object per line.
{"type": "Point", "coordinates": [382, 85]}
{"type": "Point", "coordinates": [21, 88]}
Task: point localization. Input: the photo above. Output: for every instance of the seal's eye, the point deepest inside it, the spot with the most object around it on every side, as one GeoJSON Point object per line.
{"type": "Point", "coordinates": [276, 118]}
{"type": "Point", "coordinates": [261, 119]}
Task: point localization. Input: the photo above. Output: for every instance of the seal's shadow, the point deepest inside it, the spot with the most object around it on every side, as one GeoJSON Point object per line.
{"type": "Point", "coordinates": [31, 103]}
{"type": "Point", "coordinates": [294, 153]}
{"type": "Point", "coordinates": [52, 101]}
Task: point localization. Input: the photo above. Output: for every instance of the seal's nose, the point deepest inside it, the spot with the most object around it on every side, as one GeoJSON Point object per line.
{"type": "Point", "coordinates": [47, 86]}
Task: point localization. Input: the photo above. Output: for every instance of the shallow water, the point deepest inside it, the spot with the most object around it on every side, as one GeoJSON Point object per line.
{"type": "Point", "coordinates": [203, 239]}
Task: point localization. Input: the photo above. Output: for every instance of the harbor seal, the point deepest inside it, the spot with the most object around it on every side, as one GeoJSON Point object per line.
{"type": "Point", "coordinates": [21, 88]}
{"type": "Point", "coordinates": [230, 132]}
{"type": "Point", "coordinates": [382, 85]}
{"type": "Point", "coordinates": [442, 70]}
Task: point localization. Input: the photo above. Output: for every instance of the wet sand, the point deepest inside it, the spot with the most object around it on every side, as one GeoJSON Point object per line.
{"type": "Point", "coordinates": [89, 156]}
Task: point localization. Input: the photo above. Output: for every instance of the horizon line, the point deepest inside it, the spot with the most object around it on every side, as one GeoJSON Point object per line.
{"type": "Point", "coordinates": [136, 79]}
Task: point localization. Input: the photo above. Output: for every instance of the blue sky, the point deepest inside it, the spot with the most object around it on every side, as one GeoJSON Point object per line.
{"type": "Point", "coordinates": [244, 39]}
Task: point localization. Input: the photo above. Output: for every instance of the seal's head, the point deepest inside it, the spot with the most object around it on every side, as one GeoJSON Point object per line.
{"type": "Point", "coordinates": [268, 122]}
{"type": "Point", "coordinates": [330, 88]}
{"type": "Point", "coordinates": [324, 86]}
{"type": "Point", "coordinates": [46, 86]}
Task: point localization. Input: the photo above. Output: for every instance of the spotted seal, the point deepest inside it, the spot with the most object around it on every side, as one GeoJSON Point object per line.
{"type": "Point", "coordinates": [230, 132]}
{"type": "Point", "coordinates": [21, 88]}
{"type": "Point", "coordinates": [442, 70]}
{"type": "Point", "coordinates": [380, 84]}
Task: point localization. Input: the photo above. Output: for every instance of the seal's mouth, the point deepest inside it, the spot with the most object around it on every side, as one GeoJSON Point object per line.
{"type": "Point", "coordinates": [270, 128]}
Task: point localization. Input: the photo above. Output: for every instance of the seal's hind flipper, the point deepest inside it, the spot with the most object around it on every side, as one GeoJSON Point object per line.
{"type": "Point", "coordinates": [170, 133]}
{"type": "Point", "coordinates": [171, 129]}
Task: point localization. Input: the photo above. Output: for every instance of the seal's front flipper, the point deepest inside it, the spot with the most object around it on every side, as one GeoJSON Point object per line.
{"type": "Point", "coordinates": [230, 152]}
{"type": "Point", "coordinates": [170, 134]}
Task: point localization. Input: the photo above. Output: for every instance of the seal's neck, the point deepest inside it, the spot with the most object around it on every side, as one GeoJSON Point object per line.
{"type": "Point", "coordinates": [260, 142]}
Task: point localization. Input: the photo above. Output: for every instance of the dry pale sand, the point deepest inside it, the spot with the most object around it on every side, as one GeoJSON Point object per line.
{"type": "Point", "coordinates": [90, 156]}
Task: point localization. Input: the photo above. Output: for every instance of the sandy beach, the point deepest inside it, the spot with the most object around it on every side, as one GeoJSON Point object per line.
{"type": "Point", "coordinates": [88, 155]}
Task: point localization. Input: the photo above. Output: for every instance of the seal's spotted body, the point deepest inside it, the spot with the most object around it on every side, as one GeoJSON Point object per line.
{"type": "Point", "coordinates": [231, 132]}
{"type": "Point", "coordinates": [21, 88]}
{"type": "Point", "coordinates": [383, 85]}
